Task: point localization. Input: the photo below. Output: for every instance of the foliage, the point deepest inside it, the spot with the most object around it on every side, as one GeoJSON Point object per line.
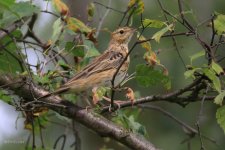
{"type": "Point", "coordinates": [221, 117]}
{"type": "Point", "coordinates": [219, 23]}
{"type": "Point", "coordinates": [148, 76]}
{"type": "Point", "coordinates": [74, 37]}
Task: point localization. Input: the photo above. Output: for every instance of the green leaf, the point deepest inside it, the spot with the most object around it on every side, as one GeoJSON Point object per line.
{"type": "Point", "coordinates": [101, 91]}
{"type": "Point", "coordinates": [57, 29]}
{"type": "Point", "coordinates": [197, 55]}
{"type": "Point", "coordinates": [219, 23]}
{"type": "Point", "coordinates": [152, 23]}
{"type": "Point", "coordinates": [136, 126]}
{"type": "Point", "coordinates": [6, 4]}
{"type": "Point", "coordinates": [219, 98]}
{"type": "Point", "coordinates": [220, 116]}
{"type": "Point", "coordinates": [160, 33]}
{"type": "Point", "coordinates": [42, 80]}
{"type": "Point", "coordinates": [10, 60]}
{"type": "Point", "coordinates": [189, 73]}
{"type": "Point", "coordinates": [18, 11]}
{"type": "Point", "coordinates": [139, 8]}
{"type": "Point", "coordinates": [4, 95]}
{"type": "Point", "coordinates": [91, 50]}
{"type": "Point", "coordinates": [215, 79]}
{"type": "Point", "coordinates": [90, 10]}
{"type": "Point", "coordinates": [147, 76]}
{"type": "Point", "coordinates": [129, 122]}
{"type": "Point", "coordinates": [217, 68]}
{"type": "Point", "coordinates": [77, 50]}
{"type": "Point", "coordinates": [64, 65]}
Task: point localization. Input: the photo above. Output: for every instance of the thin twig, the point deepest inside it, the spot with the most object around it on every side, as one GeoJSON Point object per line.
{"type": "Point", "coordinates": [41, 135]}
{"type": "Point", "coordinates": [107, 7]}
{"type": "Point", "coordinates": [77, 143]}
{"type": "Point", "coordinates": [33, 132]}
{"type": "Point", "coordinates": [103, 18]}
{"type": "Point", "coordinates": [168, 114]}
{"type": "Point", "coordinates": [57, 141]}
{"type": "Point", "coordinates": [199, 117]}
{"type": "Point", "coordinates": [173, 38]}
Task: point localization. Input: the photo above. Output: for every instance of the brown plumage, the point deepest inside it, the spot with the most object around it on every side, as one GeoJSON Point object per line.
{"type": "Point", "coordinates": [101, 70]}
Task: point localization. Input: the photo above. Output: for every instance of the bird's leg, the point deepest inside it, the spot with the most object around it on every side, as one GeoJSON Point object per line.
{"type": "Point", "coordinates": [129, 95]}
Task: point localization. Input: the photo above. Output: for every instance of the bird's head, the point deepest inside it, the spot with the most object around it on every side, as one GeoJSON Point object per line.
{"type": "Point", "coordinates": [122, 35]}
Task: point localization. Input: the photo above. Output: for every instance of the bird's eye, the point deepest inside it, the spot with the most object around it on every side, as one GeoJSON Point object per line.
{"type": "Point", "coordinates": [121, 31]}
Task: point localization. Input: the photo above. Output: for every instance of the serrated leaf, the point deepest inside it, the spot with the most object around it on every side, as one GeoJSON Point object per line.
{"type": "Point", "coordinates": [215, 79]}
{"type": "Point", "coordinates": [152, 23]}
{"type": "Point", "coordinates": [147, 76]}
{"type": "Point", "coordinates": [217, 68]}
{"type": "Point", "coordinates": [197, 55]}
{"type": "Point", "coordinates": [61, 7]}
{"type": "Point", "coordinates": [139, 6]}
{"type": "Point", "coordinates": [219, 23]}
{"type": "Point", "coordinates": [77, 25]}
{"type": "Point", "coordinates": [220, 116]}
{"type": "Point", "coordinates": [219, 98]}
{"type": "Point", "coordinates": [157, 36]}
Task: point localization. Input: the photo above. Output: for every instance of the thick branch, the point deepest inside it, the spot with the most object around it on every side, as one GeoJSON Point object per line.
{"type": "Point", "coordinates": [89, 119]}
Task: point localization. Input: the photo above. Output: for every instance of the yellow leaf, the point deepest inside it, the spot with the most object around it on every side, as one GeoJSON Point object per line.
{"type": "Point", "coordinates": [61, 7]}
{"type": "Point", "coordinates": [77, 26]}
{"type": "Point", "coordinates": [146, 45]}
{"type": "Point", "coordinates": [130, 95]}
{"type": "Point", "coordinates": [151, 58]}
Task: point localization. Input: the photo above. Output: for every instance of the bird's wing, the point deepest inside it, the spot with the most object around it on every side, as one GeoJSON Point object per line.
{"type": "Point", "coordinates": [108, 60]}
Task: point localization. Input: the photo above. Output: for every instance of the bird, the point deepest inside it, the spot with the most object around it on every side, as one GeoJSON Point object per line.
{"type": "Point", "coordinates": [101, 70]}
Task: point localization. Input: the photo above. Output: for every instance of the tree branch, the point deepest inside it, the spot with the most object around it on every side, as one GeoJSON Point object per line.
{"type": "Point", "coordinates": [93, 121]}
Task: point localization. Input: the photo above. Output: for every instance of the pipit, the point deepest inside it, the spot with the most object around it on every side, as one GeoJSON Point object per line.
{"type": "Point", "coordinates": [102, 69]}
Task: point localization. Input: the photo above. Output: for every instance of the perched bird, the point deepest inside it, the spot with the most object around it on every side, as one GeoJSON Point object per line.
{"type": "Point", "coordinates": [102, 69]}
